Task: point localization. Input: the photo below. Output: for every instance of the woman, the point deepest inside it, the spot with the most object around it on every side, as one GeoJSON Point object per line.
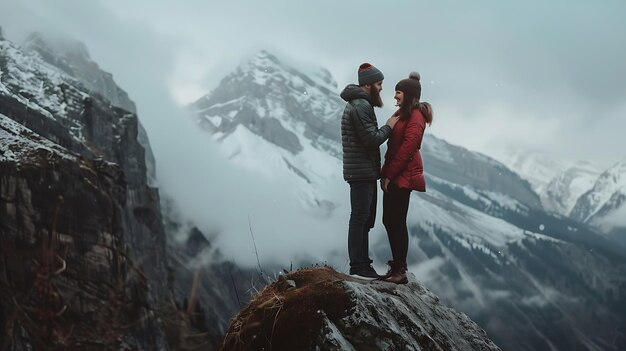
{"type": "Point", "coordinates": [403, 171]}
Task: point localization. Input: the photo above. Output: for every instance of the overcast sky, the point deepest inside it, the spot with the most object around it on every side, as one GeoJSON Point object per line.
{"type": "Point", "coordinates": [537, 75]}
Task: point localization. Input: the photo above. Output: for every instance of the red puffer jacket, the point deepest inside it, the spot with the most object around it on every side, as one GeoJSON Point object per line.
{"type": "Point", "coordinates": [403, 162]}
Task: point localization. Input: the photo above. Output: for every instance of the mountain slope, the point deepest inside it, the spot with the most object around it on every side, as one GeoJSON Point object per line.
{"type": "Point", "coordinates": [275, 120]}
{"type": "Point", "coordinates": [276, 102]}
{"type": "Point", "coordinates": [72, 58]}
{"type": "Point", "coordinates": [606, 197]}
{"type": "Point", "coordinates": [562, 192]}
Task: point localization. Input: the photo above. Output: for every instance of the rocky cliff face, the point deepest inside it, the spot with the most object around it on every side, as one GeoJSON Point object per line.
{"type": "Point", "coordinates": [90, 271]}
{"type": "Point", "coordinates": [61, 109]}
{"type": "Point", "coordinates": [72, 58]}
{"type": "Point", "coordinates": [320, 309]}
{"type": "Point", "coordinates": [68, 277]}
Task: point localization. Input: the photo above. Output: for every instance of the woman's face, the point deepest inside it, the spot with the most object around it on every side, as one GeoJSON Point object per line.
{"type": "Point", "coordinates": [399, 97]}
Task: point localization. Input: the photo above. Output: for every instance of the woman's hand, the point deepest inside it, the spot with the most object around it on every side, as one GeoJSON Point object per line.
{"type": "Point", "coordinates": [384, 183]}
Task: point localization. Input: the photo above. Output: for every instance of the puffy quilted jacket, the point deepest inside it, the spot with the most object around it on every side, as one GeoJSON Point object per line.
{"type": "Point", "coordinates": [360, 136]}
{"type": "Point", "coordinates": [403, 161]}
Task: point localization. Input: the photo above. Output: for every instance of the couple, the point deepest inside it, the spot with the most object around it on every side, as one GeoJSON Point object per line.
{"type": "Point", "coordinates": [401, 172]}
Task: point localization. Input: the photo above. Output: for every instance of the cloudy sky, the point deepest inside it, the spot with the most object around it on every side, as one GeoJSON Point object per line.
{"type": "Point", "coordinates": [534, 75]}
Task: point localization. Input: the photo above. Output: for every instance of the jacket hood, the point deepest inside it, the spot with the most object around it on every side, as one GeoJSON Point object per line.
{"type": "Point", "coordinates": [352, 92]}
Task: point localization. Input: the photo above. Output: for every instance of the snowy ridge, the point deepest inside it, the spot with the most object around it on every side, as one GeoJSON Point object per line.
{"type": "Point", "coordinates": [460, 166]}
{"type": "Point", "coordinates": [562, 192]}
{"type": "Point", "coordinates": [274, 119]}
{"type": "Point", "coordinates": [277, 102]}
{"type": "Point", "coordinates": [487, 198]}
{"type": "Point", "coordinates": [40, 86]}
{"type": "Point", "coordinates": [72, 58]}
{"type": "Point", "coordinates": [18, 143]}
{"type": "Point", "coordinates": [442, 150]}
{"type": "Point", "coordinates": [605, 192]}
{"type": "Point", "coordinates": [471, 227]}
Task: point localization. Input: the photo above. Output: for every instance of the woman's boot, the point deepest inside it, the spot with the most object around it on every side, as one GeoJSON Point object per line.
{"type": "Point", "coordinates": [397, 273]}
{"type": "Point", "coordinates": [390, 271]}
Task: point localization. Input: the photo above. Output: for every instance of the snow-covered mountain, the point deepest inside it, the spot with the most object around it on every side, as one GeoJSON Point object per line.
{"type": "Point", "coordinates": [277, 103]}
{"type": "Point", "coordinates": [605, 198]}
{"type": "Point", "coordinates": [559, 184]}
{"type": "Point", "coordinates": [71, 58]}
{"type": "Point", "coordinates": [280, 122]}
{"type": "Point", "coordinates": [562, 192]}
{"type": "Point", "coordinates": [479, 235]}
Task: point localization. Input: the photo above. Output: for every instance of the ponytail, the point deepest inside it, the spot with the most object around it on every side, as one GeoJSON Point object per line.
{"type": "Point", "coordinates": [427, 110]}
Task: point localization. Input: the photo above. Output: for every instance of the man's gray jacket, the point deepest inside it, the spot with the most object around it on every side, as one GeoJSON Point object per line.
{"type": "Point", "coordinates": [360, 136]}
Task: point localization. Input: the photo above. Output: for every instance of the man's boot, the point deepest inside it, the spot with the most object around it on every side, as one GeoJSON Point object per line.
{"type": "Point", "coordinates": [397, 273]}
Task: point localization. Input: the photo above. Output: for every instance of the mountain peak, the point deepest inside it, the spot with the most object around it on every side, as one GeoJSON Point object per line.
{"type": "Point", "coordinates": [56, 46]}
{"type": "Point", "coordinates": [263, 60]}
{"type": "Point", "coordinates": [264, 54]}
{"type": "Point", "coordinates": [609, 183]}
{"type": "Point", "coordinates": [616, 174]}
{"type": "Point", "coordinates": [72, 58]}
{"type": "Point", "coordinates": [282, 104]}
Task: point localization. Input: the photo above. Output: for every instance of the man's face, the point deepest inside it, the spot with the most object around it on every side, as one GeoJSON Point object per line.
{"type": "Point", "coordinates": [378, 86]}
{"type": "Point", "coordinates": [374, 92]}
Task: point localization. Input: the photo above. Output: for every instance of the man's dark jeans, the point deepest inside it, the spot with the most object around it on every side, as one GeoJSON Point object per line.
{"type": "Point", "coordinates": [362, 218]}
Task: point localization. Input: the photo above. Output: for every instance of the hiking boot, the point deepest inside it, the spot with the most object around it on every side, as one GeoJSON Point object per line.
{"type": "Point", "coordinates": [366, 272]}
{"type": "Point", "coordinates": [397, 273]}
{"type": "Point", "coordinates": [389, 271]}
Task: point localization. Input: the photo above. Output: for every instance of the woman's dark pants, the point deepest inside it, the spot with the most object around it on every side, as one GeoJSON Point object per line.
{"type": "Point", "coordinates": [395, 208]}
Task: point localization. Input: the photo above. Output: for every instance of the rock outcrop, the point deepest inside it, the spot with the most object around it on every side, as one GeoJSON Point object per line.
{"type": "Point", "coordinates": [320, 309]}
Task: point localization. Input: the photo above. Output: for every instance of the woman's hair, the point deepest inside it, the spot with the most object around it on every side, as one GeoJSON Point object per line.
{"type": "Point", "coordinates": [409, 103]}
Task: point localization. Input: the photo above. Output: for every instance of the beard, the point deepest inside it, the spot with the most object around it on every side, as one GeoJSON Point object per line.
{"type": "Point", "coordinates": [375, 98]}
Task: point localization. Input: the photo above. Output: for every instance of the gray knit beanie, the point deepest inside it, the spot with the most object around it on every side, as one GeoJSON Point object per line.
{"type": "Point", "coordinates": [369, 74]}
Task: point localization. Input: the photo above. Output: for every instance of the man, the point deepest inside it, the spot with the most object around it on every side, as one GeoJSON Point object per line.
{"type": "Point", "coordinates": [361, 139]}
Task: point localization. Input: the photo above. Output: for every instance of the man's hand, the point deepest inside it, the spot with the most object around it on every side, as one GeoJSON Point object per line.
{"type": "Point", "coordinates": [384, 183]}
{"type": "Point", "coordinates": [391, 122]}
